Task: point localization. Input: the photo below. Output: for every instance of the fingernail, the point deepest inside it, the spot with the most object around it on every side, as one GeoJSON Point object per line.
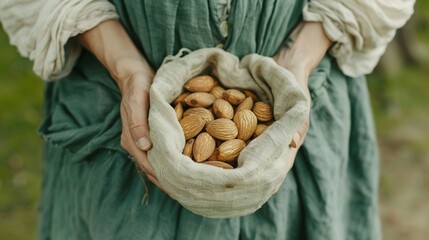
{"type": "Point", "coordinates": [144, 144]}
{"type": "Point", "coordinates": [295, 140]}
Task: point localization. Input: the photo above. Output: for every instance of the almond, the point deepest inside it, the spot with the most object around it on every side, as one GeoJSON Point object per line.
{"type": "Point", "coordinates": [222, 128]}
{"type": "Point", "coordinates": [223, 109]}
{"type": "Point", "coordinates": [247, 104]}
{"type": "Point", "coordinates": [219, 164]}
{"type": "Point", "coordinates": [179, 111]}
{"type": "Point", "coordinates": [204, 113]}
{"type": "Point", "coordinates": [234, 96]}
{"type": "Point", "coordinates": [200, 99]}
{"type": "Point", "coordinates": [192, 125]}
{"type": "Point", "coordinates": [260, 128]}
{"type": "Point", "coordinates": [217, 91]}
{"type": "Point", "coordinates": [230, 149]}
{"type": "Point", "coordinates": [248, 93]}
{"type": "Point", "coordinates": [203, 83]}
{"type": "Point", "coordinates": [246, 122]}
{"type": "Point", "coordinates": [214, 156]}
{"type": "Point", "coordinates": [263, 111]}
{"type": "Point", "coordinates": [181, 98]}
{"type": "Point", "coordinates": [187, 150]}
{"type": "Point", "coordinates": [203, 147]}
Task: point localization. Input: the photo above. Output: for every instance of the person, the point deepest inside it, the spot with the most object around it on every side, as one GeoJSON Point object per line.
{"type": "Point", "coordinates": [104, 55]}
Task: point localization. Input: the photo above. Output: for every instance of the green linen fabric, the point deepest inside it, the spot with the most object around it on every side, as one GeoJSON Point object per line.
{"type": "Point", "coordinates": [92, 189]}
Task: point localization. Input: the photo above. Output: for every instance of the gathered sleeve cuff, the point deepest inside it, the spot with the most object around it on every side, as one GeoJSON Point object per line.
{"type": "Point", "coordinates": [360, 29]}
{"type": "Point", "coordinates": [42, 30]}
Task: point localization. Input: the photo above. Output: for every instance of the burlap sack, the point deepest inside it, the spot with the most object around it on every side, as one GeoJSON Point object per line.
{"type": "Point", "coordinates": [210, 191]}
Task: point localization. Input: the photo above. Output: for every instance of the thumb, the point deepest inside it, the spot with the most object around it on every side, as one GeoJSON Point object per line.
{"type": "Point", "coordinates": [136, 111]}
{"type": "Point", "coordinates": [298, 138]}
{"type": "Point", "coordinates": [139, 130]}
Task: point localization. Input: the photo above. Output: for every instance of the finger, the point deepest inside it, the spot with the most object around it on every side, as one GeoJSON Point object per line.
{"type": "Point", "coordinates": [136, 106]}
{"type": "Point", "coordinates": [156, 182]}
{"type": "Point", "coordinates": [127, 143]}
{"type": "Point", "coordinates": [298, 138]}
{"type": "Point", "coordinates": [140, 157]}
{"type": "Point", "coordinates": [302, 131]}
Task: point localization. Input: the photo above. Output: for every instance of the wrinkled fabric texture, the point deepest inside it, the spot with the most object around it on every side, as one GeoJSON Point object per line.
{"type": "Point", "coordinates": [92, 190]}
{"type": "Point", "coordinates": [262, 166]}
{"type": "Point", "coordinates": [42, 30]}
{"type": "Point", "coordinates": [361, 30]}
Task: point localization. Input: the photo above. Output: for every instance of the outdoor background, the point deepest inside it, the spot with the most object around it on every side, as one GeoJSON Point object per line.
{"type": "Point", "coordinates": [400, 98]}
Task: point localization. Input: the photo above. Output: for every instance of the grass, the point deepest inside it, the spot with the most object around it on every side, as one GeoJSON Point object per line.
{"type": "Point", "coordinates": [20, 146]}
{"type": "Point", "coordinates": [403, 138]}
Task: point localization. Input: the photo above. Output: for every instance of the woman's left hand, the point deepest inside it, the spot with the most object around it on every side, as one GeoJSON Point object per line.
{"type": "Point", "coordinates": [301, 75]}
{"type": "Point", "coordinates": [307, 46]}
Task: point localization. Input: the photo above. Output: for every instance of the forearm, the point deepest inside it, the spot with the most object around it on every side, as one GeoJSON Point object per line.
{"type": "Point", "coordinates": [307, 48]}
{"type": "Point", "coordinates": [112, 46]}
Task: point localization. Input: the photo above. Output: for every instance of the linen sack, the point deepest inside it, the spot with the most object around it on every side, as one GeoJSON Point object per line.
{"type": "Point", "coordinates": [262, 165]}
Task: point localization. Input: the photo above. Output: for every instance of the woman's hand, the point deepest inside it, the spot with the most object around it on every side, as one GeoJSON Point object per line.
{"type": "Point", "coordinates": [306, 47]}
{"type": "Point", "coordinates": [112, 46]}
{"type": "Point", "coordinates": [134, 113]}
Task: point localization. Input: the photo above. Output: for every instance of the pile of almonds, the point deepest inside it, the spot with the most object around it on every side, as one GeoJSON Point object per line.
{"type": "Point", "coordinates": [217, 122]}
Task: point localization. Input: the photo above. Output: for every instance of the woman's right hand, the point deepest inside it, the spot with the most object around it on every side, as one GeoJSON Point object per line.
{"type": "Point", "coordinates": [135, 138]}
{"type": "Point", "coordinates": [112, 46]}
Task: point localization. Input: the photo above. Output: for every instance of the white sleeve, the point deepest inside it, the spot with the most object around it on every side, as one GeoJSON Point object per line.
{"type": "Point", "coordinates": [42, 30]}
{"type": "Point", "coordinates": [360, 29]}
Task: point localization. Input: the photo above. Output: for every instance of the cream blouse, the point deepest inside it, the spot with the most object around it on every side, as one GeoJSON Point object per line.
{"type": "Point", "coordinates": [42, 29]}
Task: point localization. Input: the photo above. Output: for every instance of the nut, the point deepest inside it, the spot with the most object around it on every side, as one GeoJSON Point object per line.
{"type": "Point", "coordinates": [234, 96]}
{"type": "Point", "coordinates": [199, 111]}
{"type": "Point", "coordinates": [229, 150]}
{"type": "Point", "coordinates": [203, 83]}
{"type": "Point", "coordinates": [263, 111]}
{"type": "Point", "coordinates": [246, 104]}
{"type": "Point", "coordinates": [214, 156]}
{"type": "Point", "coordinates": [203, 147]}
{"type": "Point", "coordinates": [222, 109]}
{"type": "Point", "coordinates": [181, 98]}
{"type": "Point", "coordinates": [222, 128]}
{"type": "Point", "coordinates": [248, 93]}
{"type": "Point", "coordinates": [200, 99]}
{"type": "Point", "coordinates": [260, 128]}
{"type": "Point", "coordinates": [219, 164]}
{"type": "Point", "coordinates": [187, 150]}
{"type": "Point", "coordinates": [217, 91]}
{"type": "Point", "coordinates": [179, 111]}
{"type": "Point", "coordinates": [230, 118]}
{"type": "Point", "coordinates": [246, 122]}
{"type": "Point", "coordinates": [192, 125]}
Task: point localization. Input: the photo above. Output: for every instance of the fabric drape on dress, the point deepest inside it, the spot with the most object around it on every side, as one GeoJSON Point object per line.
{"type": "Point", "coordinates": [361, 30]}
{"type": "Point", "coordinates": [42, 30]}
{"type": "Point", "coordinates": [92, 190]}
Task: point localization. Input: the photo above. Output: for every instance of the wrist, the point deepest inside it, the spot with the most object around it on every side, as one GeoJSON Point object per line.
{"type": "Point", "coordinates": [306, 48]}
{"type": "Point", "coordinates": [126, 69]}
{"type": "Point", "coordinates": [295, 59]}
{"type": "Point", "coordinates": [112, 46]}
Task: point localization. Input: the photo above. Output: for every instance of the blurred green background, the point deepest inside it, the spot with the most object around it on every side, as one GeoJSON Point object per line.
{"type": "Point", "coordinates": [400, 98]}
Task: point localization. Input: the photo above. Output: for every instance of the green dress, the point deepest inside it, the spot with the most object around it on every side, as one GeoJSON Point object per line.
{"type": "Point", "coordinates": [92, 189]}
